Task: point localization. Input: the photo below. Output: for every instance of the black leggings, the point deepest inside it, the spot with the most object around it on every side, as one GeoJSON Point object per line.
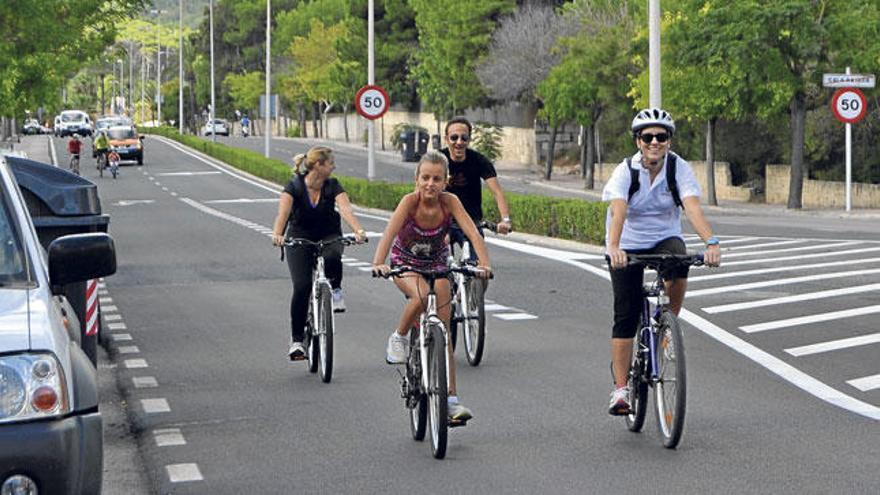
{"type": "Point", "coordinates": [627, 286]}
{"type": "Point", "coordinates": [301, 262]}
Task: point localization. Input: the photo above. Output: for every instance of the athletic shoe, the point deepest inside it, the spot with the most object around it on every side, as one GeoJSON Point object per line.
{"type": "Point", "coordinates": [296, 352]}
{"type": "Point", "coordinates": [456, 411]}
{"type": "Point", "coordinates": [619, 405]}
{"type": "Point", "coordinates": [395, 352]}
{"type": "Point", "coordinates": [338, 301]}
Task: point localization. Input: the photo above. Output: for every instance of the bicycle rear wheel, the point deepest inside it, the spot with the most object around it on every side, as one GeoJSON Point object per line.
{"type": "Point", "coordinates": [638, 388]}
{"type": "Point", "coordinates": [325, 334]}
{"type": "Point", "coordinates": [437, 390]}
{"type": "Point", "coordinates": [310, 341]}
{"type": "Point", "coordinates": [475, 326]}
{"type": "Point", "coordinates": [418, 414]}
{"type": "Point", "coordinates": [670, 391]}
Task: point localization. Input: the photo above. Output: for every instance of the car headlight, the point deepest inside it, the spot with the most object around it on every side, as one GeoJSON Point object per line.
{"type": "Point", "coordinates": [32, 386]}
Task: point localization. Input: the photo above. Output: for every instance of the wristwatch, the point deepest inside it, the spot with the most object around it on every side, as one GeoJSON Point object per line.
{"type": "Point", "coordinates": [712, 241]}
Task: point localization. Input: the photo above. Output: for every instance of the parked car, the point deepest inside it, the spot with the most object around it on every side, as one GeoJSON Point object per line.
{"type": "Point", "coordinates": [31, 126]}
{"type": "Point", "coordinates": [50, 426]}
{"type": "Point", "coordinates": [73, 122]}
{"type": "Point", "coordinates": [219, 127]}
{"type": "Point", "coordinates": [126, 141]}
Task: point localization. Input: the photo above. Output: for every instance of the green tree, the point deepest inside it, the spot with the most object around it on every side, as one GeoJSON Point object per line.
{"type": "Point", "coordinates": [245, 89]}
{"type": "Point", "coordinates": [453, 35]}
{"type": "Point", "coordinates": [783, 47]}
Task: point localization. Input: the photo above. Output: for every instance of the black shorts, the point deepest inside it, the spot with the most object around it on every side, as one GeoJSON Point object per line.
{"type": "Point", "coordinates": [627, 286]}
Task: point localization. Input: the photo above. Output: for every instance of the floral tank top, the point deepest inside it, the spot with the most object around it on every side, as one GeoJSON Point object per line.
{"type": "Point", "coordinates": [426, 249]}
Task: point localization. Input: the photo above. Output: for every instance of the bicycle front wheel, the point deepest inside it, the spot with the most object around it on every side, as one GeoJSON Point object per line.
{"type": "Point", "coordinates": [437, 390]}
{"type": "Point", "coordinates": [311, 342]}
{"type": "Point", "coordinates": [635, 420]}
{"type": "Point", "coordinates": [418, 413]}
{"type": "Point", "coordinates": [475, 328]}
{"type": "Point", "coordinates": [670, 390]}
{"type": "Point", "coordinates": [325, 334]}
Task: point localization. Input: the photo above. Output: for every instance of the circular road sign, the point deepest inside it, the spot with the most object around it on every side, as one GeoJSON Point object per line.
{"type": "Point", "coordinates": [371, 102]}
{"type": "Point", "coordinates": [849, 105]}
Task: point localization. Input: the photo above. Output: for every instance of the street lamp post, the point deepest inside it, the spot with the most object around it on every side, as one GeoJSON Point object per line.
{"type": "Point", "coordinates": [268, 78]}
{"type": "Point", "coordinates": [211, 112]}
{"type": "Point", "coordinates": [655, 96]}
{"type": "Point", "coordinates": [121, 63]}
{"type": "Point", "coordinates": [180, 67]}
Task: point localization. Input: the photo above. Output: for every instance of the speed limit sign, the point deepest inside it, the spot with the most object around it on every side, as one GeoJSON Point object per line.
{"type": "Point", "coordinates": [849, 105]}
{"type": "Point", "coordinates": [371, 102]}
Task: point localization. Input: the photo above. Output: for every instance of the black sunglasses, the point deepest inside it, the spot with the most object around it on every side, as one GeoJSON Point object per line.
{"type": "Point", "coordinates": [647, 138]}
{"type": "Point", "coordinates": [463, 138]}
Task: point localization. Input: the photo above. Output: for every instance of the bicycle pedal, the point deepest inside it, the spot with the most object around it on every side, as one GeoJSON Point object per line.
{"type": "Point", "coordinates": [455, 423]}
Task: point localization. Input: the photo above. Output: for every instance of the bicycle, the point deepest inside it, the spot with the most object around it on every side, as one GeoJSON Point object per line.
{"type": "Point", "coordinates": [102, 163]}
{"type": "Point", "coordinates": [114, 168]}
{"type": "Point", "coordinates": [659, 353]}
{"type": "Point", "coordinates": [320, 326]}
{"type": "Point", "coordinates": [424, 389]}
{"type": "Point", "coordinates": [469, 305]}
{"type": "Point", "coordinates": [74, 164]}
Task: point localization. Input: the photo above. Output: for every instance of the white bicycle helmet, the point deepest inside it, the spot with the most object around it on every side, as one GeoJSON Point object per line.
{"type": "Point", "coordinates": [651, 117]}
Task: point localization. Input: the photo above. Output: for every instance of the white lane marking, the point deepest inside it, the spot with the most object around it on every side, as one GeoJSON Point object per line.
{"type": "Point", "coordinates": [136, 363]}
{"type": "Point", "coordinates": [866, 383]}
{"type": "Point", "coordinates": [780, 281]}
{"type": "Point", "coordinates": [515, 316]}
{"type": "Point", "coordinates": [168, 437]}
{"type": "Point", "coordinates": [173, 194]}
{"type": "Point", "coordinates": [164, 188]}
{"type": "Point", "coordinates": [358, 263]}
{"type": "Point", "coordinates": [144, 382]}
{"type": "Point", "coordinates": [130, 202]}
{"type": "Point", "coordinates": [119, 337]}
{"type": "Point", "coordinates": [105, 300]}
{"type": "Point", "coordinates": [813, 247]}
{"type": "Point", "coordinates": [762, 271]}
{"type": "Point", "coordinates": [774, 301]}
{"type": "Point", "coordinates": [496, 307]}
{"type": "Point", "coordinates": [242, 200]}
{"type": "Point", "coordinates": [113, 317]}
{"type": "Point", "coordinates": [180, 473]}
{"type": "Point", "coordinates": [834, 345]}
{"type": "Point", "coordinates": [800, 257]}
{"type": "Point", "coordinates": [765, 244]}
{"type": "Point", "coordinates": [775, 365]}
{"type": "Point", "coordinates": [152, 406]}
{"type": "Point", "coordinates": [108, 309]}
{"type": "Point", "coordinates": [103, 292]}
{"type": "Point", "coordinates": [724, 241]}
{"type": "Point", "coordinates": [365, 268]}
{"type": "Point", "coordinates": [128, 349]}
{"type": "Point", "coordinates": [347, 258]}
{"type": "Point", "coordinates": [117, 326]}
{"type": "Point", "coordinates": [187, 174]}
{"type": "Point", "coordinates": [806, 320]}
{"type": "Point", "coordinates": [158, 183]}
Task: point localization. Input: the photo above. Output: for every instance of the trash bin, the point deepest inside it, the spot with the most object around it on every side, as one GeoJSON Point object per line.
{"type": "Point", "coordinates": [435, 142]}
{"type": "Point", "coordinates": [408, 145]}
{"type": "Point", "coordinates": [423, 144]}
{"type": "Point", "coordinates": [62, 203]}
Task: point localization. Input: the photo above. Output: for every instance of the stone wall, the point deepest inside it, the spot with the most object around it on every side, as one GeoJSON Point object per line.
{"type": "Point", "coordinates": [818, 193]}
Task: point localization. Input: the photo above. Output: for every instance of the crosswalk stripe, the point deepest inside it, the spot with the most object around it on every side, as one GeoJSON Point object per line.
{"type": "Point", "coordinates": [723, 308]}
{"type": "Point", "coordinates": [496, 307]}
{"type": "Point", "coordinates": [761, 271]}
{"type": "Point", "coordinates": [515, 316]}
{"type": "Point", "coordinates": [804, 320]}
{"type": "Point", "coordinates": [724, 241]}
{"type": "Point", "coordinates": [765, 244]}
{"type": "Point", "coordinates": [866, 383]}
{"type": "Point", "coordinates": [834, 345]}
{"type": "Point", "coordinates": [781, 281]}
{"type": "Point", "coordinates": [811, 247]}
{"type": "Point", "coordinates": [799, 257]}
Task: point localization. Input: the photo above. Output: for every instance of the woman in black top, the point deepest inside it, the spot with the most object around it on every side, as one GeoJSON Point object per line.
{"type": "Point", "coordinates": [306, 210]}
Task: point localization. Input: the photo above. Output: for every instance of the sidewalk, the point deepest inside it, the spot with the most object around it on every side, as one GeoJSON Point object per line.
{"type": "Point", "coordinates": [35, 148]}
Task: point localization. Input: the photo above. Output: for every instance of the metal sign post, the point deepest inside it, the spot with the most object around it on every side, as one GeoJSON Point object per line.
{"type": "Point", "coordinates": [849, 106]}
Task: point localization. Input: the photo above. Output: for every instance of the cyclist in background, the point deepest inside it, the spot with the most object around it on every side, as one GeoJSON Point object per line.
{"type": "Point", "coordinates": [467, 168]}
{"type": "Point", "coordinates": [74, 148]}
{"type": "Point", "coordinates": [113, 160]}
{"type": "Point", "coordinates": [644, 218]}
{"type": "Point", "coordinates": [245, 126]}
{"type": "Point", "coordinates": [416, 237]}
{"type": "Point", "coordinates": [101, 144]}
{"type": "Point", "coordinates": [306, 210]}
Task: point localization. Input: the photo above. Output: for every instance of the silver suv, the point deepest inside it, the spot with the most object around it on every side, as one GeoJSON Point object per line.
{"type": "Point", "coordinates": [50, 426]}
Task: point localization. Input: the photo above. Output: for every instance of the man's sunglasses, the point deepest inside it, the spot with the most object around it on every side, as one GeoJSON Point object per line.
{"type": "Point", "coordinates": [647, 138]}
{"type": "Point", "coordinates": [463, 138]}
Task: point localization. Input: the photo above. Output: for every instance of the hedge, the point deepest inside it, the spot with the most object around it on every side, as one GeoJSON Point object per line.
{"type": "Point", "coordinates": [574, 219]}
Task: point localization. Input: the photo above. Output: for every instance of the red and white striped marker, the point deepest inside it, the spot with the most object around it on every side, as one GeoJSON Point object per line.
{"type": "Point", "coordinates": [92, 308]}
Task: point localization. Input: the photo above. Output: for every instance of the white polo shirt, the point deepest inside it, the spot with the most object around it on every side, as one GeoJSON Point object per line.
{"type": "Point", "coordinates": [652, 215]}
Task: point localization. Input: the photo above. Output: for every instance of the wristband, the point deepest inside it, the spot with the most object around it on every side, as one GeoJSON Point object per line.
{"type": "Point", "coordinates": [712, 241]}
{"type": "Point", "coordinates": [361, 232]}
{"type": "Point", "coordinates": [506, 219]}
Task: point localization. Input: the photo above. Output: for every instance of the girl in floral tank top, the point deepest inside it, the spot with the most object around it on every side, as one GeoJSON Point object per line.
{"type": "Point", "coordinates": [411, 244]}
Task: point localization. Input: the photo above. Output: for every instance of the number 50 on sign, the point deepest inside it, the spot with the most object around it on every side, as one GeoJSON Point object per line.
{"type": "Point", "coordinates": [371, 102]}
{"type": "Point", "coordinates": [849, 105]}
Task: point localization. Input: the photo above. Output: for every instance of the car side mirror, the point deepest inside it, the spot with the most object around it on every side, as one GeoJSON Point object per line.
{"type": "Point", "coordinates": [80, 257]}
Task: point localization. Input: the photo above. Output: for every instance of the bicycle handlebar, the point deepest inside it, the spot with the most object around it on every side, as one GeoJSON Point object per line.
{"type": "Point", "coordinates": [434, 274]}
{"type": "Point", "coordinates": [346, 240]}
{"type": "Point", "coordinates": [655, 261]}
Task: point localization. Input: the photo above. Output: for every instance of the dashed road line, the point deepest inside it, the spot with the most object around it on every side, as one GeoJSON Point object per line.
{"type": "Point", "coordinates": [144, 382]}
{"type": "Point", "coordinates": [168, 437]}
{"type": "Point", "coordinates": [180, 473]}
{"type": "Point", "coordinates": [119, 337]}
{"type": "Point", "coordinates": [154, 406]}
{"type": "Point", "coordinates": [128, 349]}
{"type": "Point", "coordinates": [117, 326]}
{"type": "Point", "coordinates": [136, 363]}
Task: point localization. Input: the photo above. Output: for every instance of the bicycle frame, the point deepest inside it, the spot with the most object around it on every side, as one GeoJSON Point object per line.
{"type": "Point", "coordinates": [319, 279]}
{"type": "Point", "coordinates": [648, 332]}
{"type": "Point", "coordinates": [429, 316]}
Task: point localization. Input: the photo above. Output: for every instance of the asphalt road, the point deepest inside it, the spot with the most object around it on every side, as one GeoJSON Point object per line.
{"type": "Point", "coordinates": [200, 327]}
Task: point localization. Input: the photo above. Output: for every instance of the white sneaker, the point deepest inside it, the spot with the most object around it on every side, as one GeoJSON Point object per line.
{"type": "Point", "coordinates": [338, 301]}
{"type": "Point", "coordinates": [620, 402]}
{"type": "Point", "coordinates": [396, 351]}
{"type": "Point", "coordinates": [457, 411]}
{"type": "Point", "coordinates": [296, 352]}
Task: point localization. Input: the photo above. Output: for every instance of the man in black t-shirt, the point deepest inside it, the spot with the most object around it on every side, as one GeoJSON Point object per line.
{"type": "Point", "coordinates": [466, 168]}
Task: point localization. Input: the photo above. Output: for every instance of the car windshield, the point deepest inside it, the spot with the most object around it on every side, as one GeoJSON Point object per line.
{"type": "Point", "coordinates": [72, 117]}
{"type": "Point", "coordinates": [121, 134]}
{"type": "Point", "coordinates": [219, 122]}
{"type": "Point", "coordinates": [12, 256]}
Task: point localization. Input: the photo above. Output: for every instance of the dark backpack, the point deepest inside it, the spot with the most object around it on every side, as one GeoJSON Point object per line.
{"type": "Point", "coordinates": [670, 180]}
